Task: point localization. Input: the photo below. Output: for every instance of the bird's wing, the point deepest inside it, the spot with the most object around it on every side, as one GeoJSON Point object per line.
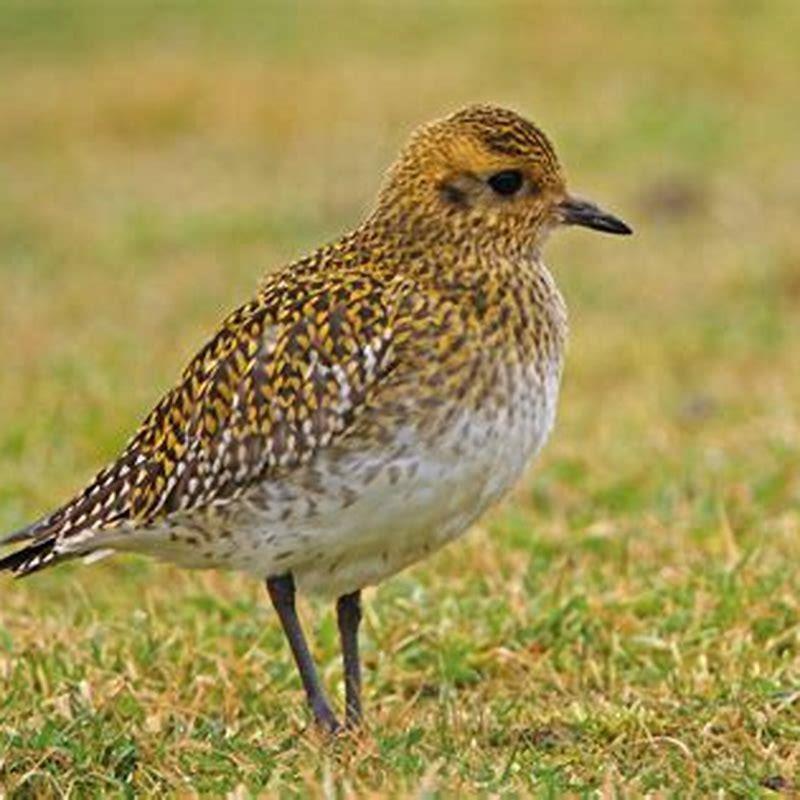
{"type": "Point", "coordinates": [284, 376]}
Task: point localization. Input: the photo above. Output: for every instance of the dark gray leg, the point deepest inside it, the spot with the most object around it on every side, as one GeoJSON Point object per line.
{"type": "Point", "coordinates": [348, 613]}
{"type": "Point", "coordinates": [281, 592]}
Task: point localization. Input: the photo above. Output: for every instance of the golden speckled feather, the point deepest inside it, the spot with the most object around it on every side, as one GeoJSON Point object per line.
{"type": "Point", "coordinates": [371, 401]}
{"type": "Point", "coordinates": [435, 306]}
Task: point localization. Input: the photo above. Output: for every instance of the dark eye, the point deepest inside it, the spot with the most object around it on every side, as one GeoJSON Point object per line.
{"type": "Point", "coordinates": [507, 182]}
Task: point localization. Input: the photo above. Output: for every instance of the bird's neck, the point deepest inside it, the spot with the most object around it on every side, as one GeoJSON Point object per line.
{"type": "Point", "coordinates": [459, 249]}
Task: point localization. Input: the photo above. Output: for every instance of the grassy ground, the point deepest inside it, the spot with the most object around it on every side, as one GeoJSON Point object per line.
{"type": "Point", "coordinates": [630, 620]}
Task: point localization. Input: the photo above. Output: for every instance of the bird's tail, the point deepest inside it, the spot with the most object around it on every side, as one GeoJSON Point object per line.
{"type": "Point", "coordinates": [41, 549]}
{"type": "Point", "coordinates": [68, 531]}
{"type": "Point", "coordinates": [32, 557]}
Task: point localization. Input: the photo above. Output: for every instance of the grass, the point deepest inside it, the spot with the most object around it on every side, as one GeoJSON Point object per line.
{"type": "Point", "coordinates": [629, 621]}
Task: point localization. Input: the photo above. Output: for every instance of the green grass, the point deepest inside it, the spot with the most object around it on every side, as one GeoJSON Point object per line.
{"type": "Point", "coordinates": [629, 621]}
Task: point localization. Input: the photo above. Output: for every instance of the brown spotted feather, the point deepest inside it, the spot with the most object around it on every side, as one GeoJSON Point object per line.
{"type": "Point", "coordinates": [429, 309]}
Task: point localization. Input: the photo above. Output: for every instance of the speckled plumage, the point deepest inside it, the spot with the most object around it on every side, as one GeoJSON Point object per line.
{"type": "Point", "coordinates": [430, 315]}
{"type": "Point", "coordinates": [368, 404]}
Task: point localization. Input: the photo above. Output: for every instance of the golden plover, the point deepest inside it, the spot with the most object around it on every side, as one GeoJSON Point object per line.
{"type": "Point", "coordinates": [368, 404]}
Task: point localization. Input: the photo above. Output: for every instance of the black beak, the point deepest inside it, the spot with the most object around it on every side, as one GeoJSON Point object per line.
{"type": "Point", "coordinates": [582, 212]}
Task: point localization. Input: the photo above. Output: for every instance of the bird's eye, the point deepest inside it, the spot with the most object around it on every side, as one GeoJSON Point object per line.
{"type": "Point", "coordinates": [507, 182]}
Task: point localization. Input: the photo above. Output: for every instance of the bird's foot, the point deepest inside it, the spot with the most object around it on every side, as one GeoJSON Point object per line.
{"type": "Point", "coordinates": [325, 719]}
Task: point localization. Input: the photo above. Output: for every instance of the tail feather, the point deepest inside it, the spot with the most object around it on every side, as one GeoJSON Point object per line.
{"type": "Point", "coordinates": [28, 532]}
{"type": "Point", "coordinates": [53, 538]}
{"type": "Point", "coordinates": [32, 558]}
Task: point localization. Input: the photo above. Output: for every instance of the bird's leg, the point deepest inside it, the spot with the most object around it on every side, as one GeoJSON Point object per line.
{"type": "Point", "coordinates": [348, 614]}
{"type": "Point", "coordinates": [282, 593]}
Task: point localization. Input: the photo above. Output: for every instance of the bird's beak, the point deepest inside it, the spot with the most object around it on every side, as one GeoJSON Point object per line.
{"type": "Point", "coordinates": [574, 211]}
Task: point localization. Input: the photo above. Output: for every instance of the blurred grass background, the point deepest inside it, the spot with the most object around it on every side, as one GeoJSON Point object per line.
{"type": "Point", "coordinates": [629, 621]}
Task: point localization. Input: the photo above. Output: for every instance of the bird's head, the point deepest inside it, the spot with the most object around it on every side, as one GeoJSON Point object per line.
{"type": "Point", "coordinates": [485, 172]}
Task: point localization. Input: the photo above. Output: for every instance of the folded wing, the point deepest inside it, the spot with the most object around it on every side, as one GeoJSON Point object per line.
{"type": "Point", "coordinates": [284, 376]}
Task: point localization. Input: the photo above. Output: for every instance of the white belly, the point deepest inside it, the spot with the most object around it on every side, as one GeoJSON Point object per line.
{"type": "Point", "coordinates": [420, 496]}
{"type": "Point", "coordinates": [349, 520]}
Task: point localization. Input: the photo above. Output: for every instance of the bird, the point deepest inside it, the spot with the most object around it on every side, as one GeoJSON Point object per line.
{"type": "Point", "coordinates": [367, 405]}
